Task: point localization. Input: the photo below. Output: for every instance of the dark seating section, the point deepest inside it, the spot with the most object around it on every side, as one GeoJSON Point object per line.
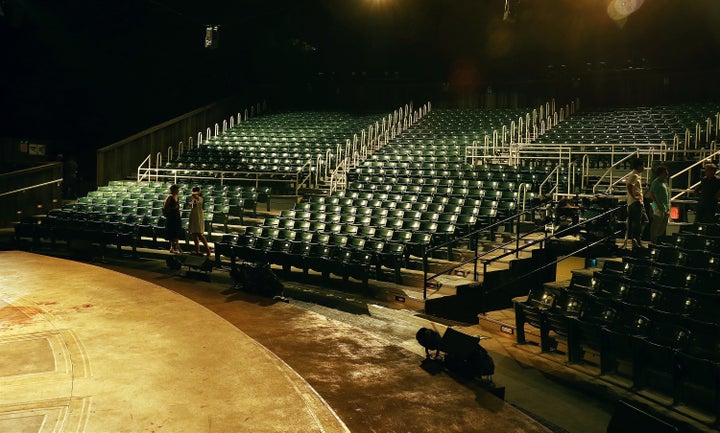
{"type": "Point", "coordinates": [653, 320]}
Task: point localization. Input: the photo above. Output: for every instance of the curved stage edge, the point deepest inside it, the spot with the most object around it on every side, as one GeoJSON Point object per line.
{"type": "Point", "coordinates": [88, 349]}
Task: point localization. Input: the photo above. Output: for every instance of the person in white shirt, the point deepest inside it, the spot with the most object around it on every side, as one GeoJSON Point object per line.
{"type": "Point", "coordinates": [636, 207]}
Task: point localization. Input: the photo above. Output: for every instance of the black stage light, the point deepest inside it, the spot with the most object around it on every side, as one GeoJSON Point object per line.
{"type": "Point", "coordinates": [463, 354]}
{"type": "Point", "coordinates": [429, 339]}
{"type": "Point", "coordinates": [258, 278]}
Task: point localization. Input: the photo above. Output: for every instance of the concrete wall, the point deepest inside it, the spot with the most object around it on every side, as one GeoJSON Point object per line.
{"type": "Point", "coordinates": [121, 159]}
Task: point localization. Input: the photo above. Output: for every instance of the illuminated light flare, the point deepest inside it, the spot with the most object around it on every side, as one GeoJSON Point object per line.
{"type": "Point", "coordinates": [619, 10]}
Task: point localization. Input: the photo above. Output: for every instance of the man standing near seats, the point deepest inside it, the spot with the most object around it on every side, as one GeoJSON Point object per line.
{"type": "Point", "coordinates": [636, 208]}
{"type": "Point", "coordinates": [709, 190]}
{"type": "Point", "coordinates": [660, 195]}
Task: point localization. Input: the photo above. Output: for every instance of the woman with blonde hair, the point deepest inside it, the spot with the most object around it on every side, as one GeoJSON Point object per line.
{"type": "Point", "coordinates": [197, 221]}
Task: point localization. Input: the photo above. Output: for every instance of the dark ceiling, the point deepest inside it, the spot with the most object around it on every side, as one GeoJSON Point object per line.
{"type": "Point", "coordinates": [97, 71]}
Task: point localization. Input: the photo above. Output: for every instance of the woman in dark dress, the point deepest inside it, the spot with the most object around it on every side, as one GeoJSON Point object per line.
{"type": "Point", "coordinates": [173, 225]}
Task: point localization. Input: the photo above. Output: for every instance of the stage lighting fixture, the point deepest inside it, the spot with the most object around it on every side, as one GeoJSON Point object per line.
{"type": "Point", "coordinates": [212, 36]}
{"type": "Point", "coordinates": [429, 339]}
{"type": "Point", "coordinates": [463, 354]}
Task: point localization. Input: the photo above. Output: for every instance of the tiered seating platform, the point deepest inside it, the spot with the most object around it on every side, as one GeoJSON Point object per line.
{"type": "Point", "coordinates": [647, 322]}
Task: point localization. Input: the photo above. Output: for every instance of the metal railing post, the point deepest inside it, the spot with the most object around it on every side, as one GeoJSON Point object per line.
{"type": "Point", "coordinates": [517, 236]}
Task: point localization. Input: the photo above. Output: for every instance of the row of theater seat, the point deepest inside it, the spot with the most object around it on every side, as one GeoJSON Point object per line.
{"type": "Point", "coordinates": [395, 156]}
{"type": "Point", "coordinates": [342, 253]}
{"type": "Point", "coordinates": [632, 125]}
{"type": "Point", "coordinates": [462, 126]}
{"type": "Point", "coordinates": [126, 213]}
{"type": "Point", "coordinates": [429, 173]}
{"type": "Point", "coordinates": [508, 191]}
{"type": "Point", "coordinates": [452, 217]}
{"type": "Point", "coordinates": [147, 198]}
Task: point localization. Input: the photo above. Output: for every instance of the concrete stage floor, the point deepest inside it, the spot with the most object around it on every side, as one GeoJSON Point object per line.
{"type": "Point", "coordinates": [84, 348]}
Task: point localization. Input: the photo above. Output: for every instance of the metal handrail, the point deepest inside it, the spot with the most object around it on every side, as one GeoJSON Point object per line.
{"type": "Point", "coordinates": [585, 170]}
{"type": "Point", "coordinates": [554, 235]}
{"type": "Point", "coordinates": [335, 175]}
{"type": "Point", "coordinates": [636, 154]}
{"type": "Point", "coordinates": [689, 173]}
{"type": "Point", "coordinates": [547, 179]}
{"type": "Point", "coordinates": [572, 165]}
{"type": "Point", "coordinates": [299, 184]}
{"type": "Point", "coordinates": [485, 228]}
{"type": "Point", "coordinates": [561, 258]}
{"type": "Point", "coordinates": [522, 192]}
{"type": "Point", "coordinates": [158, 163]}
{"type": "Point", "coordinates": [141, 177]}
{"type": "Point", "coordinates": [470, 236]}
{"type": "Point", "coordinates": [27, 188]}
{"type": "Point", "coordinates": [228, 175]}
{"type": "Point", "coordinates": [318, 168]}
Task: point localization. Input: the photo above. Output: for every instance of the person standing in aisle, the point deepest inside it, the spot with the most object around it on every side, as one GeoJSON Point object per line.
{"type": "Point", "coordinates": [660, 195]}
{"type": "Point", "coordinates": [709, 190]}
{"type": "Point", "coordinates": [636, 207]}
{"type": "Point", "coordinates": [197, 221]}
{"type": "Point", "coordinates": [173, 224]}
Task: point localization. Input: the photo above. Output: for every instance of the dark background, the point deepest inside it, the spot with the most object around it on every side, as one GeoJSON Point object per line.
{"type": "Point", "coordinates": [81, 74]}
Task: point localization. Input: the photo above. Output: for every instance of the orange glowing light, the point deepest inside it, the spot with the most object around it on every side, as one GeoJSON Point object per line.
{"type": "Point", "coordinates": [619, 10]}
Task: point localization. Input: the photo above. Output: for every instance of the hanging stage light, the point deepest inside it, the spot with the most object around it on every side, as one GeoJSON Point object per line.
{"type": "Point", "coordinates": [212, 36]}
